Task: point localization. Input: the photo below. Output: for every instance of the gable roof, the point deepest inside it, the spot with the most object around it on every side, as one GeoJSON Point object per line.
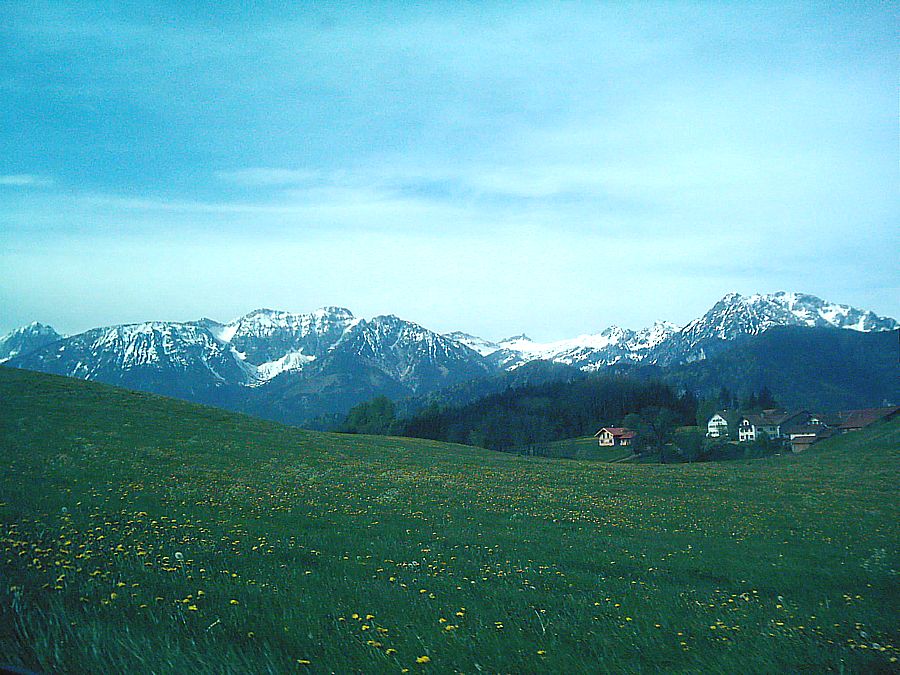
{"type": "Point", "coordinates": [856, 419]}
{"type": "Point", "coordinates": [773, 418]}
{"type": "Point", "coordinates": [617, 432]}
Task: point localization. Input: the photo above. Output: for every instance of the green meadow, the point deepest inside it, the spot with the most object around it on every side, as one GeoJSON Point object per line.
{"type": "Point", "coordinates": [579, 448]}
{"type": "Point", "coordinates": [143, 534]}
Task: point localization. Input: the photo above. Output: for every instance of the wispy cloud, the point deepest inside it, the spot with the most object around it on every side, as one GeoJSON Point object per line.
{"type": "Point", "coordinates": [24, 180]}
{"type": "Point", "coordinates": [491, 150]}
{"type": "Point", "coordinates": [268, 177]}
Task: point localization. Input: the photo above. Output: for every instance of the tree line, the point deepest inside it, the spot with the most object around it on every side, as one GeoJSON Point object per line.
{"type": "Point", "coordinates": [526, 416]}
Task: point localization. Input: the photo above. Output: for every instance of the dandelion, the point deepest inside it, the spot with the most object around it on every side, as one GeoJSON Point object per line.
{"type": "Point", "coordinates": [541, 652]}
{"type": "Point", "coordinates": [304, 662]}
{"type": "Point", "coordinates": [423, 659]}
{"type": "Point", "coordinates": [234, 602]}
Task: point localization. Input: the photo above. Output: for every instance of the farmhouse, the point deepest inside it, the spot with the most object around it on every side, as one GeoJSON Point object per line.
{"type": "Point", "coordinates": [854, 420]}
{"type": "Point", "coordinates": [717, 425]}
{"type": "Point", "coordinates": [615, 436]}
{"type": "Point", "coordinates": [772, 423]}
{"type": "Point", "coordinates": [804, 435]}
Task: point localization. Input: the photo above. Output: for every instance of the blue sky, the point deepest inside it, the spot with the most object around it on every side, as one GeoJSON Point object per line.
{"type": "Point", "coordinates": [552, 168]}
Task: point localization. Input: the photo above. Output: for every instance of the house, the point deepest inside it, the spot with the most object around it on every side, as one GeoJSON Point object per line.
{"type": "Point", "coordinates": [854, 420]}
{"type": "Point", "coordinates": [804, 435]}
{"type": "Point", "coordinates": [772, 423]}
{"type": "Point", "coordinates": [608, 436]}
{"type": "Point", "coordinates": [717, 425]}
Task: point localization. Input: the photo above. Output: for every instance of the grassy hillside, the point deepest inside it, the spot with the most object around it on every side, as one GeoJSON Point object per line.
{"type": "Point", "coordinates": [578, 448]}
{"type": "Point", "coordinates": [142, 534]}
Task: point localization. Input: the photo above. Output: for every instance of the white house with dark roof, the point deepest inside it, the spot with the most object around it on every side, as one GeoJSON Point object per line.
{"type": "Point", "coordinates": [717, 426]}
{"type": "Point", "coordinates": [772, 423]}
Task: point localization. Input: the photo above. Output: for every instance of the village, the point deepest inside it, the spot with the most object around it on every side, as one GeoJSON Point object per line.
{"type": "Point", "coordinates": [797, 429]}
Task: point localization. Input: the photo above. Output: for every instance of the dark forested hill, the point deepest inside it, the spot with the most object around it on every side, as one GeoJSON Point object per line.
{"type": "Point", "coordinates": [539, 413]}
{"type": "Point", "coordinates": [817, 368]}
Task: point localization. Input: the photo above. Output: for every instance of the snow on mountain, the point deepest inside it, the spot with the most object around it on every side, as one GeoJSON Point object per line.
{"type": "Point", "coordinates": [145, 355]}
{"type": "Point", "coordinates": [664, 343]}
{"type": "Point", "coordinates": [588, 352]}
{"type": "Point", "coordinates": [413, 355]}
{"type": "Point", "coordinates": [815, 312]}
{"type": "Point", "coordinates": [266, 335]}
{"type": "Point", "coordinates": [292, 361]}
{"type": "Point", "coordinates": [736, 316]}
{"type": "Point", "coordinates": [480, 345]}
{"type": "Point", "coordinates": [26, 339]}
{"type": "Point", "coordinates": [330, 350]}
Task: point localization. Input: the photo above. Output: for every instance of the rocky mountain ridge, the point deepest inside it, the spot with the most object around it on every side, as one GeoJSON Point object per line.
{"type": "Point", "coordinates": [323, 361]}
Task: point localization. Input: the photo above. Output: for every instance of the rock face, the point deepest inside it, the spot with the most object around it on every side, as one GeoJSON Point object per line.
{"type": "Point", "coordinates": [295, 366]}
{"type": "Point", "coordinates": [169, 358]}
{"type": "Point", "coordinates": [300, 364]}
{"type": "Point", "coordinates": [732, 318]}
{"type": "Point", "coordinates": [26, 339]}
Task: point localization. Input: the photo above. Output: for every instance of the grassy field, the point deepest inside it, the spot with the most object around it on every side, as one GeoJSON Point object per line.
{"type": "Point", "coordinates": [140, 534]}
{"type": "Point", "coordinates": [585, 448]}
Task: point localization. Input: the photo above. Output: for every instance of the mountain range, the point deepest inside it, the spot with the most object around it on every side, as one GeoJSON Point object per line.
{"type": "Point", "coordinates": [294, 367]}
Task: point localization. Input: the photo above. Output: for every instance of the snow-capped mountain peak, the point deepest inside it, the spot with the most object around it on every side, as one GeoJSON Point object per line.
{"type": "Point", "coordinates": [480, 345]}
{"type": "Point", "coordinates": [329, 349]}
{"type": "Point", "coordinates": [25, 339]}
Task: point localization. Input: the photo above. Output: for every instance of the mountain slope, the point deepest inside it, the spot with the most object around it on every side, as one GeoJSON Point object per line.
{"type": "Point", "coordinates": [385, 356]}
{"type": "Point", "coordinates": [278, 365]}
{"type": "Point", "coordinates": [736, 316]}
{"type": "Point", "coordinates": [293, 367]}
{"type": "Point", "coordinates": [819, 368]}
{"type": "Point", "coordinates": [168, 358]}
{"type": "Point", "coordinates": [731, 318]}
{"type": "Point", "coordinates": [26, 339]}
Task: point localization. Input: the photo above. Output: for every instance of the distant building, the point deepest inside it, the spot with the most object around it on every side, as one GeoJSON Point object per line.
{"type": "Point", "coordinates": [854, 420]}
{"type": "Point", "coordinates": [611, 436]}
{"type": "Point", "coordinates": [772, 423]}
{"type": "Point", "coordinates": [804, 435]}
{"type": "Point", "coordinates": [717, 425]}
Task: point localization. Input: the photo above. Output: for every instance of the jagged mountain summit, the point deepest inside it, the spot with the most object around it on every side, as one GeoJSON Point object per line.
{"type": "Point", "coordinates": [737, 316]}
{"type": "Point", "coordinates": [234, 364]}
{"type": "Point", "coordinates": [26, 339]}
{"type": "Point", "coordinates": [734, 317]}
{"type": "Point", "coordinates": [295, 366]}
{"type": "Point", "coordinates": [169, 358]}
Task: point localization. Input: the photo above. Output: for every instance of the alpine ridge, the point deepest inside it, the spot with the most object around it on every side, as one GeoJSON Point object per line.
{"type": "Point", "coordinates": [293, 367]}
{"type": "Point", "coordinates": [734, 317]}
{"type": "Point", "coordinates": [26, 339]}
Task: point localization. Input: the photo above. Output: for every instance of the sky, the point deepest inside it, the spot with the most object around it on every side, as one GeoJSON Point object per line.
{"type": "Point", "coordinates": [492, 167]}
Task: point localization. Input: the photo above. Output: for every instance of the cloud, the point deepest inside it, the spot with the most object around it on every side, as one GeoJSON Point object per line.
{"type": "Point", "coordinates": [268, 177]}
{"type": "Point", "coordinates": [24, 180]}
